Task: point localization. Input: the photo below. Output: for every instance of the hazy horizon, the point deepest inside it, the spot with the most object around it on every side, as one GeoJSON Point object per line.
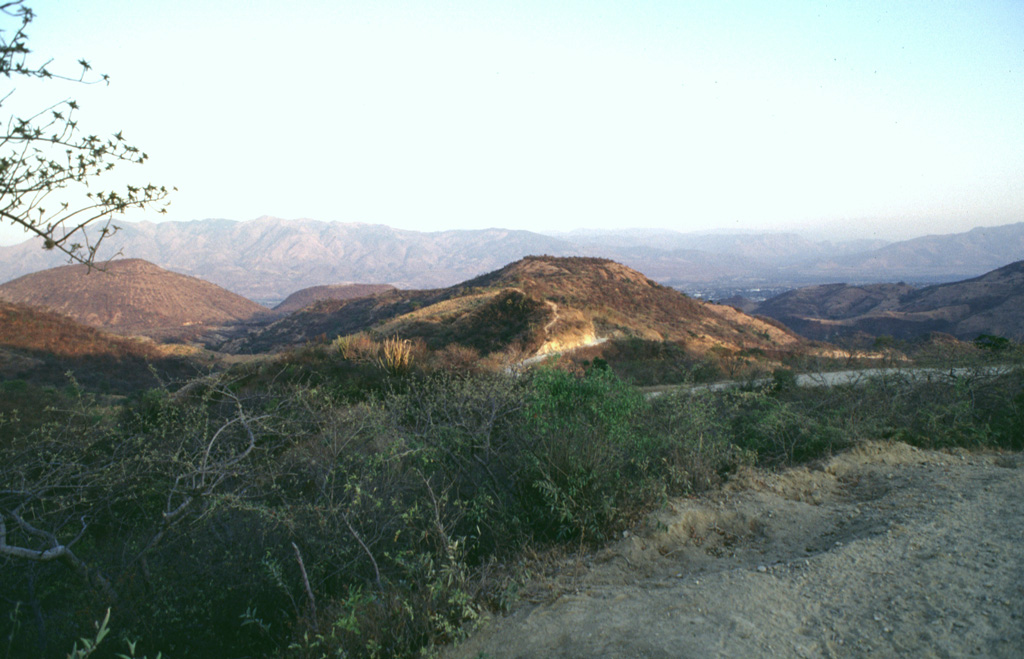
{"type": "Point", "coordinates": [847, 120]}
{"type": "Point", "coordinates": [815, 234]}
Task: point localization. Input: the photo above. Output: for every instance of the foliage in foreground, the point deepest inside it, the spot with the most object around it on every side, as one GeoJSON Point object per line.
{"type": "Point", "coordinates": [285, 517]}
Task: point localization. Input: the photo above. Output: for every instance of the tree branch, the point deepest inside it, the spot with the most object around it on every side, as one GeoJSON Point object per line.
{"type": "Point", "coordinates": [55, 552]}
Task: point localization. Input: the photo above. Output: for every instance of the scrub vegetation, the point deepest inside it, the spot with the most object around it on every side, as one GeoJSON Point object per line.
{"type": "Point", "coordinates": [364, 498]}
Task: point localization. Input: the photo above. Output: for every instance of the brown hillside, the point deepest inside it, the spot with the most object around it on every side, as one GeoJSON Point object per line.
{"type": "Point", "coordinates": [24, 328]}
{"type": "Point", "coordinates": [42, 347]}
{"type": "Point", "coordinates": [835, 301]}
{"type": "Point", "coordinates": [536, 305]}
{"type": "Point", "coordinates": [990, 304]}
{"type": "Point", "coordinates": [307, 296]}
{"type": "Point", "coordinates": [618, 301]}
{"type": "Point", "coordinates": [133, 297]}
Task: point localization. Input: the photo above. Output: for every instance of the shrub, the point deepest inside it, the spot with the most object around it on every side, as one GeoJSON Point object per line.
{"type": "Point", "coordinates": [588, 461]}
{"type": "Point", "coordinates": [355, 347]}
{"type": "Point", "coordinates": [696, 445]}
{"type": "Point", "coordinates": [317, 506]}
{"type": "Point", "coordinates": [779, 432]}
{"type": "Point", "coordinates": [783, 380]}
{"type": "Point", "coordinates": [992, 343]}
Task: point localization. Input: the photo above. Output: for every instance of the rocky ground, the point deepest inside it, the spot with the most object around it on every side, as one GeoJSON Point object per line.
{"type": "Point", "coordinates": [885, 550]}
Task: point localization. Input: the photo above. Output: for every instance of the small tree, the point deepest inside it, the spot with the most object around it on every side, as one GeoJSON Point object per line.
{"type": "Point", "coordinates": [45, 157]}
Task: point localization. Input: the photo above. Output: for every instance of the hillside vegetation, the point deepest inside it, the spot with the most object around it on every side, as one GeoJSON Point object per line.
{"type": "Point", "coordinates": [398, 469]}
{"type": "Point", "coordinates": [535, 306]}
{"type": "Point", "coordinates": [43, 354]}
{"type": "Point", "coordinates": [340, 500]}
{"type": "Point", "coordinates": [41, 346]}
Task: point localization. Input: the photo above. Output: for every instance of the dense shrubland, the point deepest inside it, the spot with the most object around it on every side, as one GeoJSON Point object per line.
{"type": "Point", "coordinates": [365, 499]}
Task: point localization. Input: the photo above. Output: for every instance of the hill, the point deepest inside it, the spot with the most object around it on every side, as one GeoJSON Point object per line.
{"type": "Point", "coordinates": [132, 296]}
{"type": "Point", "coordinates": [307, 296]}
{"type": "Point", "coordinates": [42, 347]}
{"type": "Point", "coordinates": [538, 305]}
{"type": "Point", "coordinates": [990, 304]}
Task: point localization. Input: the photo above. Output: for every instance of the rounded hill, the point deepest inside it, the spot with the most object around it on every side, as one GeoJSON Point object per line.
{"type": "Point", "coordinates": [537, 305]}
{"type": "Point", "coordinates": [307, 296]}
{"type": "Point", "coordinates": [133, 296]}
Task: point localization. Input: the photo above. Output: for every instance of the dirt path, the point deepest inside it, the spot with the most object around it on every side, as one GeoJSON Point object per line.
{"type": "Point", "coordinates": [536, 359]}
{"type": "Point", "coordinates": [554, 317]}
{"type": "Point", "coordinates": [882, 551]}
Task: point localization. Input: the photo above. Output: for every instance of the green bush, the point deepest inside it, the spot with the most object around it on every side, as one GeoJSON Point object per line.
{"type": "Point", "coordinates": [695, 448]}
{"type": "Point", "coordinates": [778, 432]}
{"type": "Point", "coordinates": [588, 457]}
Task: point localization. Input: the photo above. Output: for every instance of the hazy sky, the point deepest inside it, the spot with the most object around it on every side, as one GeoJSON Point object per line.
{"type": "Point", "coordinates": [869, 118]}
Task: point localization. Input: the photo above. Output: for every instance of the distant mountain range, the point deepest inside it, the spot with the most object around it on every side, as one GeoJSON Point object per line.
{"type": "Point", "coordinates": [990, 304]}
{"type": "Point", "coordinates": [268, 259]}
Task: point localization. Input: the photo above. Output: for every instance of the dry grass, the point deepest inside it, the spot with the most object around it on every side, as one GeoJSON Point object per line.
{"type": "Point", "coordinates": [355, 347]}
{"type": "Point", "coordinates": [395, 355]}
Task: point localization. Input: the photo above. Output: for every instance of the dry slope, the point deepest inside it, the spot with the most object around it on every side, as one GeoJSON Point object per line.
{"type": "Point", "coordinates": [990, 304]}
{"type": "Point", "coordinates": [307, 296]}
{"type": "Point", "coordinates": [42, 347]}
{"type": "Point", "coordinates": [885, 551]}
{"type": "Point", "coordinates": [132, 297]}
{"type": "Point", "coordinates": [536, 305]}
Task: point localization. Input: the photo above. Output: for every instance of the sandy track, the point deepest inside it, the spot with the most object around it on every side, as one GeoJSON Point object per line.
{"type": "Point", "coordinates": [882, 551]}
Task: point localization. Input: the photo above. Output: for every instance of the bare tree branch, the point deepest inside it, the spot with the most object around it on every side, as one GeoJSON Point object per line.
{"type": "Point", "coordinates": [309, 591]}
{"type": "Point", "coordinates": [55, 551]}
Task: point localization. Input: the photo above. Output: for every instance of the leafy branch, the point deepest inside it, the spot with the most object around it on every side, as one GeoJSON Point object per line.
{"type": "Point", "coordinates": [46, 156]}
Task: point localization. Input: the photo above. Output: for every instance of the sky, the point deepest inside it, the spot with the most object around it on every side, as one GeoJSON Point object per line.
{"type": "Point", "coordinates": [845, 119]}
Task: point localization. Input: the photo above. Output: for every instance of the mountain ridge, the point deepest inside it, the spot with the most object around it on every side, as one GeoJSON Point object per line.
{"type": "Point", "coordinates": [307, 296]}
{"type": "Point", "coordinates": [992, 303]}
{"type": "Point", "coordinates": [269, 258]}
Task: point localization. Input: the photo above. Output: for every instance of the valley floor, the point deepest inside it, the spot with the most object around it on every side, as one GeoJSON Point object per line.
{"type": "Point", "coordinates": [885, 550]}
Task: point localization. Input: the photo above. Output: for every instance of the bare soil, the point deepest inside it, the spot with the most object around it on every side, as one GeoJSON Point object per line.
{"type": "Point", "coordinates": [885, 550]}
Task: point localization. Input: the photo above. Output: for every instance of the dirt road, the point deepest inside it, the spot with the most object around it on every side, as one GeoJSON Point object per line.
{"type": "Point", "coordinates": [882, 551]}
{"type": "Point", "coordinates": [854, 377]}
